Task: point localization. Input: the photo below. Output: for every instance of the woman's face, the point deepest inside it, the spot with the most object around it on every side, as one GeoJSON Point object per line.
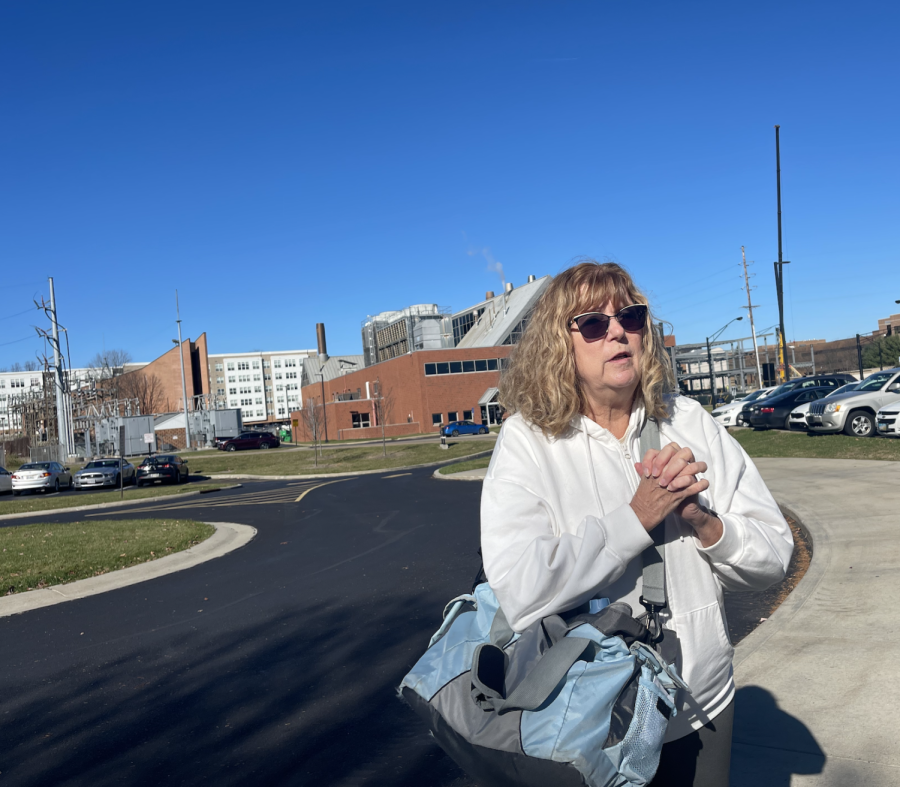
{"type": "Point", "coordinates": [612, 362]}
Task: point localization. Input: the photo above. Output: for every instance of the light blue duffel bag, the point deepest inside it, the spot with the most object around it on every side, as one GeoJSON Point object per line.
{"type": "Point", "coordinates": [575, 700]}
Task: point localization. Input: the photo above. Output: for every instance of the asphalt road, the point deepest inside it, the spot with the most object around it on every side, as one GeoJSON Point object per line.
{"type": "Point", "coordinates": [276, 664]}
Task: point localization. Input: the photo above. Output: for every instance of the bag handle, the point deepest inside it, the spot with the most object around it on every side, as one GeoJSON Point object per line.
{"type": "Point", "coordinates": [653, 579]}
{"type": "Point", "coordinates": [537, 686]}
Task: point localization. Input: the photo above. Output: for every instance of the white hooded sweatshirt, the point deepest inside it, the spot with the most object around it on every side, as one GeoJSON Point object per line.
{"type": "Point", "coordinates": [557, 530]}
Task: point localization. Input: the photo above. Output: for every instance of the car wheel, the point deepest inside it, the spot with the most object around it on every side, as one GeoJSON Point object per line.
{"type": "Point", "coordinates": [231, 447]}
{"type": "Point", "coordinates": [859, 424]}
{"type": "Point", "coordinates": [454, 433]}
{"type": "Point", "coordinates": [787, 422]}
{"type": "Point", "coordinates": [263, 445]}
{"type": "Point", "coordinates": [117, 481]}
{"type": "Point", "coordinates": [139, 484]}
{"type": "Point", "coordinates": [739, 421]}
{"type": "Point", "coordinates": [56, 485]}
{"type": "Point", "coordinates": [483, 430]}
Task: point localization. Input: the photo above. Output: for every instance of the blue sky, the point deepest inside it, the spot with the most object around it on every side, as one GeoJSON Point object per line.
{"type": "Point", "coordinates": [284, 164]}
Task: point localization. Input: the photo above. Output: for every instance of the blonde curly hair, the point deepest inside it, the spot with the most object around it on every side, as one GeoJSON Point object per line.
{"type": "Point", "coordinates": [541, 381]}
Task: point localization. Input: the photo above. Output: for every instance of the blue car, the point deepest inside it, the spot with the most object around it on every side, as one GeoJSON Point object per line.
{"type": "Point", "coordinates": [456, 428]}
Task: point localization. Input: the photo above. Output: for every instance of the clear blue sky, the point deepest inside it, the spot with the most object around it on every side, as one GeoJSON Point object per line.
{"type": "Point", "coordinates": [284, 163]}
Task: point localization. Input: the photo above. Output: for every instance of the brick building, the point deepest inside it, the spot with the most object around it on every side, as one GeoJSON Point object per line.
{"type": "Point", "coordinates": [420, 391]}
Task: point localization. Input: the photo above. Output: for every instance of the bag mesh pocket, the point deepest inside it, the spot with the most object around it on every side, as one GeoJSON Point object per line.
{"type": "Point", "coordinates": [643, 741]}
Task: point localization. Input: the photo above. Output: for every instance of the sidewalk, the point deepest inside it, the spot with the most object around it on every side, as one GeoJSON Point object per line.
{"type": "Point", "coordinates": [817, 682]}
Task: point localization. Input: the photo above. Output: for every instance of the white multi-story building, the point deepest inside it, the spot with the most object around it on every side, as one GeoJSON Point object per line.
{"type": "Point", "coordinates": [265, 386]}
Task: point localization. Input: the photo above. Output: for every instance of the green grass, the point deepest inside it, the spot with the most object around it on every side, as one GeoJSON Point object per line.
{"type": "Point", "coordinates": [776, 443]}
{"type": "Point", "coordinates": [338, 460]}
{"type": "Point", "coordinates": [37, 556]}
{"type": "Point", "coordinates": [37, 502]}
{"type": "Point", "coordinates": [472, 464]}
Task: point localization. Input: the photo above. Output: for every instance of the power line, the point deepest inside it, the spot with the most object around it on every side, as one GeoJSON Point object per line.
{"type": "Point", "coordinates": [17, 314]}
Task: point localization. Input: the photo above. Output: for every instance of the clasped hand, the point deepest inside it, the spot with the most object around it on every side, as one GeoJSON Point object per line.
{"type": "Point", "coordinates": [669, 484]}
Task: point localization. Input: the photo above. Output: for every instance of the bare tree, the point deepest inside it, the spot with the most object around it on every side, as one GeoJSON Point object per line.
{"type": "Point", "coordinates": [146, 388]}
{"type": "Point", "coordinates": [30, 366]}
{"type": "Point", "coordinates": [109, 363]}
{"type": "Point", "coordinates": [383, 404]}
{"type": "Point", "coordinates": [16, 367]}
{"type": "Point", "coordinates": [312, 416]}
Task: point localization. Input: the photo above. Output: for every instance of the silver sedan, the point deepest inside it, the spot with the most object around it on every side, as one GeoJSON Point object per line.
{"type": "Point", "coordinates": [41, 475]}
{"type": "Point", "coordinates": [104, 472]}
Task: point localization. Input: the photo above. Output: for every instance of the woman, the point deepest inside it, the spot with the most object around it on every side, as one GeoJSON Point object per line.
{"type": "Point", "coordinates": [568, 504]}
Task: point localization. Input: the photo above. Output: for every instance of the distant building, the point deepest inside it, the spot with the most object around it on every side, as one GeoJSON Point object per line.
{"type": "Point", "coordinates": [264, 385]}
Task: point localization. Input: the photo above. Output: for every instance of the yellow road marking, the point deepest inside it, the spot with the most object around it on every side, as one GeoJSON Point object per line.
{"type": "Point", "coordinates": [398, 475]}
{"type": "Point", "coordinates": [307, 491]}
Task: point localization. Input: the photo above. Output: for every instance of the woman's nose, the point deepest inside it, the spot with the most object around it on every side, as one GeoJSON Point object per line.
{"type": "Point", "coordinates": [615, 330]}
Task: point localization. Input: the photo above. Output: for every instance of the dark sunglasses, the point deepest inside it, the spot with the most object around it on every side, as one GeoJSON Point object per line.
{"type": "Point", "coordinates": [594, 325]}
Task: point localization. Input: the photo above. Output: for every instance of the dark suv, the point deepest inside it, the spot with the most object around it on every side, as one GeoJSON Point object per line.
{"type": "Point", "coordinates": [249, 440]}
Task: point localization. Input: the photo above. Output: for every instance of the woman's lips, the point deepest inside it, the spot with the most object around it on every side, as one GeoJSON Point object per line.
{"type": "Point", "coordinates": [620, 358]}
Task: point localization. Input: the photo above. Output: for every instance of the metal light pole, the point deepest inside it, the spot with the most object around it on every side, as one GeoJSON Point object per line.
{"type": "Point", "coordinates": [779, 266]}
{"type": "Point", "coordinates": [187, 428]}
{"type": "Point", "coordinates": [712, 376]}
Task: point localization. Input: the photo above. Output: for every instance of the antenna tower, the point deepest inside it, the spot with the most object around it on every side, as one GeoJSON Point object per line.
{"type": "Point", "coordinates": [749, 307]}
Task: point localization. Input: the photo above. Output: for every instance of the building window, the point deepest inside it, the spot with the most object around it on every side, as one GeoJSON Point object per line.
{"type": "Point", "coordinates": [260, 413]}
{"type": "Point", "coordinates": [258, 400]}
{"type": "Point", "coordinates": [243, 366]}
{"type": "Point", "coordinates": [257, 389]}
{"type": "Point", "coordinates": [256, 378]}
{"type": "Point", "coordinates": [290, 362]}
{"type": "Point", "coordinates": [256, 364]}
{"type": "Point", "coordinates": [277, 364]}
{"type": "Point", "coordinates": [278, 376]}
{"type": "Point", "coordinates": [230, 366]}
{"type": "Point", "coordinates": [232, 391]}
{"type": "Point", "coordinates": [279, 387]}
{"type": "Point", "coordinates": [360, 420]}
{"type": "Point", "coordinates": [268, 376]}
{"type": "Point", "coordinates": [280, 411]}
{"type": "Point", "coordinates": [465, 367]}
{"type": "Point", "coordinates": [467, 415]}
{"type": "Point", "coordinates": [290, 375]}
{"type": "Point", "coordinates": [231, 378]}
{"type": "Point", "coordinates": [246, 389]}
{"type": "Point", "coordinates": [452, 416]}
{"type": "Point", "coordinates": [436, 419]}
{"type": "Point", "coordinates": [219, 367]}
{"type": "Point", "coordinates": [220, 392]}
{"type": "Point", "coordinates": [245, 402]}
{"type": "Point", "coordinates": [265, 364]}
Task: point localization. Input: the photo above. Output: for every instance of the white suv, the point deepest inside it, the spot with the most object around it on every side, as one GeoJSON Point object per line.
{"type": "Point", "coordinates": [854, 412]}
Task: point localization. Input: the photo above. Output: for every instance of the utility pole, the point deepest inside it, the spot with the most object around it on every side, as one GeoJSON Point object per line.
{"type": "Point", "coordinates": [779, 266]}
{"type": "Point", "coordinates": [62, 410]}
{"type": "Point", "coordinates": [187, 427]}
{"type": "Point", "coordinates": [759, 376]}
{"type": "Point", "coordinates": [859, 356]}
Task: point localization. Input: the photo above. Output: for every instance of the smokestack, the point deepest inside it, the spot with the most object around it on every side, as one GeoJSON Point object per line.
{"type": "Point", "coordinates": [488, 295]}
{"type": "Point", "coordinates": [530, 278]}
{"type": "Point", "coordinates": [320, 337]}
{"type": "Point", "coordinates": [509, 286]}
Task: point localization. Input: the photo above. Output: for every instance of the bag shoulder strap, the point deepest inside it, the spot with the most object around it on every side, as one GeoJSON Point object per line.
{"type": "Point", "coordinates": [653, 595]}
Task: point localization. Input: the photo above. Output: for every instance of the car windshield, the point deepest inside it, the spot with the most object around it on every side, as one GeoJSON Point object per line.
{"type": "Point", "coordinates": [36, 466]}
{"type": "Point", "coordinates": [754, 396]}
{"type": "Point", "coordinates": [844, 389]}
{"type": "Point", "coordinates": [874, 382]}
{"type": "Point", "coordinates": [152, 460]}
{"type": "Point", "coordinates": [102, 463]}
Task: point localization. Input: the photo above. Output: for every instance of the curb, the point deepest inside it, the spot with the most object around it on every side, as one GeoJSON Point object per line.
{"type": "Point", "coordinates": [116, 504]}
{"type": "Point", "coordinates": [228, 537]}
{"type": "Point", "coordinates": [350, 473]}
{"type": "Point", "coordinates": [463, 476]}
{"type": "Point", "coordinates": [795, 600]}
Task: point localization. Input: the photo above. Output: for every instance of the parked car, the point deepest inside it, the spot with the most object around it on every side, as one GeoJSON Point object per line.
{"type": "Point", "coordinates": [798, 414]}
{"type": "Point", "coordinates": [731, 414]}
{"type": "Point", "coordinates": [832, 381]}
{"type": "Point", "coordinates": [886, 420]}
{"type": "Point", "coordinates": [854, 412]}
{"type": "Point", "coordinates": [456, 428]}
{"type": "Point", "coordinates": [103, 472]}
{"type": "Point", "coordinates": [41, 475]}
{"type": "Point", "coordinates": [249, 440]}
{"type": "Point", "coordinates": [162, 467]}
{"type": "Point", "coordinates": [5, 480]}
{"type": "Point", "coordinates": [774, 412]}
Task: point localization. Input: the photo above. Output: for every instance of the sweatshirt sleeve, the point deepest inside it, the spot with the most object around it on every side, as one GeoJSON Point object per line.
{"type": "Point", "coordinates": [756, 544]}
{"type": "Point", "coordinates": [534, 569]}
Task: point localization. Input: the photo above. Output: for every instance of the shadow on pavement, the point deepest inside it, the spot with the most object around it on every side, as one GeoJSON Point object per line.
{"type": "Point", "coordinates": [298, 698]}
{"type": "Point", "coordinates": [770, 746]}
